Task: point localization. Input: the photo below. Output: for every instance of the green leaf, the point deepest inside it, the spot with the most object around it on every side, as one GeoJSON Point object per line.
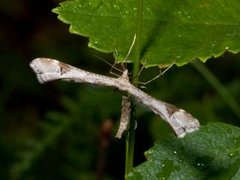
{"type": "Point", "coordinates": [213, 152]}
{"type": "Point", "coordinates": [173, 31]}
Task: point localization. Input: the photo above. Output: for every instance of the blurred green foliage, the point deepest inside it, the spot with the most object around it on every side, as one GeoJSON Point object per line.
{"type": "Point", "coordinates": [54, 131]}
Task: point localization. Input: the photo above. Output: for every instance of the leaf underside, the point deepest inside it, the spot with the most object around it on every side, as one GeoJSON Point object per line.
{"type": "Point", "coordinates": [172, 31]}
{"type": "Point", "coordinates": [213, 152]}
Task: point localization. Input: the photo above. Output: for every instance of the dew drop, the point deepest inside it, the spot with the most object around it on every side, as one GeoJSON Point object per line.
{"type": "Point", "coordinates": [232, 154]}
{"type": "Point", "coordinates": [200, 164]}
{"type": "Point", "coordinates": [178, 57]}
{"type": "Point", "coordinates": [237, 141]}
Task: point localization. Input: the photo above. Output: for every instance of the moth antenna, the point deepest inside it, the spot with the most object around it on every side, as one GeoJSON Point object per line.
{"type": "Point", "coordinates": [156, 77]}
{"type": "Point", "coordinates": [130, 49]}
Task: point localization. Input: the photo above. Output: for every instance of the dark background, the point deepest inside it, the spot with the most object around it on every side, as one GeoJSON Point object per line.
{"type": "Point", "coordinates": [66, 131]}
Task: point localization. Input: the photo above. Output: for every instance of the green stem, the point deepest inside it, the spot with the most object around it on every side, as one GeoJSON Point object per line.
{"type": "Point", "coordinates": [130, 140]}
{"type": "Point", "coordinates": [227, 97]}
{"type": "Point", "coordinates": [138, 43]}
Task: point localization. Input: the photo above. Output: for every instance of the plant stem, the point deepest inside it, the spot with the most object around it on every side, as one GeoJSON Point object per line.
{"type": "Point", "coordinates": [130, 140]}
{"type": "Point", "coordinates": [227, 97]}
{"type": "Point", "coordinates": [138, 43]}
